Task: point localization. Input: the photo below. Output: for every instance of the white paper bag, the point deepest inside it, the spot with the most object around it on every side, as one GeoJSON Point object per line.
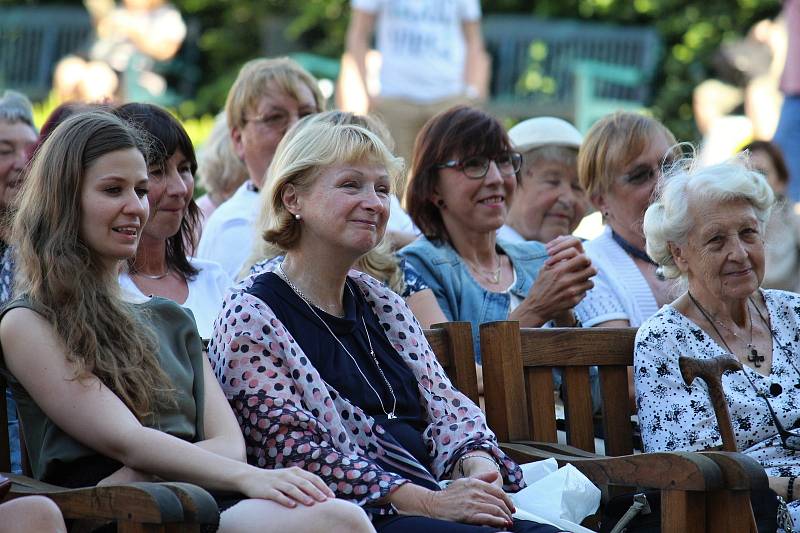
{"type": "Point", "coordinates": [561, 497]}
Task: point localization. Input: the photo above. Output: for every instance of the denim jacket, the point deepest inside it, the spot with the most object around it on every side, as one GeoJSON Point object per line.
{"type": "Point", "coordinates": [458, 294]}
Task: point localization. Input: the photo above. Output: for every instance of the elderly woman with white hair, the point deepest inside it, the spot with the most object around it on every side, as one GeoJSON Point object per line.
{"type": "Point", "coordinates": [706, 229]}
{"type": "Point", "coordinates": [328, 370]}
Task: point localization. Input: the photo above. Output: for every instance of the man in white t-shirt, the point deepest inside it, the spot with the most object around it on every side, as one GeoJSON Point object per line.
{"type": "Point", "coordinates": [267, 98]}
{"type": "Point", "coordinates": [432, 57]}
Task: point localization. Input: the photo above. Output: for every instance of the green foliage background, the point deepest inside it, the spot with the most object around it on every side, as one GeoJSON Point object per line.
{"type": "Point", "coordinates": [237, 30]}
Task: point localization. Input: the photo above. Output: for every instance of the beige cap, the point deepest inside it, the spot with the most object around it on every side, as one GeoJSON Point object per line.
{"type": "Point", "coordinates": [542, 131]}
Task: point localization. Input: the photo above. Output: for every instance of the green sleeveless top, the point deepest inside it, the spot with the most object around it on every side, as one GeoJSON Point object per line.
{"type": "Point", "coordinates": [58, 458]}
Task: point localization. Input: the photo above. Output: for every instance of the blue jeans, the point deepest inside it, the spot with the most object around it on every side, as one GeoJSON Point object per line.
{"type": "Point", "coordinates": [787, 137]}
{"type": "Point", "coordinates": [13, 433]}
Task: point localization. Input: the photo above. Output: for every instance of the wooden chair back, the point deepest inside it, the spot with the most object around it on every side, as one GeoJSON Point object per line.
{"type": "Point", "coordinates": [519, 362]}
{"type": "Point", "coordinates": [699, 491]}
{"type": "Point", "coordinates": [452, 344]}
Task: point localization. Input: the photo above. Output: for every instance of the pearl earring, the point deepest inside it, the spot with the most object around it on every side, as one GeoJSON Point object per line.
{"type": "Point", "coordinates": [297, 217]}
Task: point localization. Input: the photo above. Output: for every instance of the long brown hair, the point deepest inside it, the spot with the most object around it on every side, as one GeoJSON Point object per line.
{"type": "Point", "coordinates": [65, 278]}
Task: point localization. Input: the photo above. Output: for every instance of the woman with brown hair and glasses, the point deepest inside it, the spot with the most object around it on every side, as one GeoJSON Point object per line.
{"type": "Point", "coordinates": [463, 178]}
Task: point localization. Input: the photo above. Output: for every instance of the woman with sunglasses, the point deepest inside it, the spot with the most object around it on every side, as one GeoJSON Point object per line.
{"type": "Point", "coordinates": [618, 163]}
{"type": "Point", "coordinates": [706, 229]}
{"type": "Point", "coordinates": [463, 178]}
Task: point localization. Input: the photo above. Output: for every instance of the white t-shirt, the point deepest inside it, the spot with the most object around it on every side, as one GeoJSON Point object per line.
{"type": "Point", "coordinates": [422, 45]}
{"type": "Point", "coordinates": [206, 292]}
{"type": "Point", "coordinates": [229, 232]}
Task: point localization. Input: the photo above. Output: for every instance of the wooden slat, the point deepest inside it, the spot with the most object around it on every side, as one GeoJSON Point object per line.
{"type": "Point", "coordinates": [452, 344]}
{"type": "Point", "coordinates": [616, 410]}
{"type": "Point", "coordinates": [728, 510]}
{"type": "Point", "coordinates": [559, 347]}
{"type": "Point", "coordinates": [683, 512]}
{"type": "Point", "coordinates": [503, 381]}
{"type": "Point", "coordinates": [541, 404]}
{"type": "Point", "coordinates": [578, 408]}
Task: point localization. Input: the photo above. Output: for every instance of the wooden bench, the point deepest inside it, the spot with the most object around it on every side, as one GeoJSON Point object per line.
{"type": "Point", "coordinates": [542, 350]}
{"type": "Point", "coordinates": [706, 491]}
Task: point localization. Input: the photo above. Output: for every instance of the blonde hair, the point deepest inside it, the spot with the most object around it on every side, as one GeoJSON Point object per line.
{"type": "Point", "coordinates": [316, 142]}
{"type": "Point", "coordinates": [220, 171]}
{"type": "Point", "coordinates": [253, 83]}
{"type": "Point", "coordinates": [612, 143]}
{"type": "Point", "coordinates": [69, 284]}
{"type": "Point", "coordinates": [668, 219]}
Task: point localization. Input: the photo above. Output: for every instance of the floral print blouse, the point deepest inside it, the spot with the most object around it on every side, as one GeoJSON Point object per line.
{"type": "Point", "coordinates": [291, 417]}
{"type": "Point", "coordinates": [676, 417]}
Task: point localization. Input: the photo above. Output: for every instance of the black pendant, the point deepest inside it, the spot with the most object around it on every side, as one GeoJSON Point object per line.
{"type": "Point", "coordinates": [754, 357]}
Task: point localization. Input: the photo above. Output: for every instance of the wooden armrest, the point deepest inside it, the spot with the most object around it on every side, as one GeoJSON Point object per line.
{"type": "Point", "coordinates": [673, 471]}
{"type": "Point", "coordinates": [150, 503]}
{"type": "Point", "coordinates": [740, 472]}
{"type": "Point", "coordinates": [199, 507]}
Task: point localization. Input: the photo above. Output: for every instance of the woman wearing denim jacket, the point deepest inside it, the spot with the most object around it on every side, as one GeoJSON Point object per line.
{"type": "Point", "coordinates": [463, 177]}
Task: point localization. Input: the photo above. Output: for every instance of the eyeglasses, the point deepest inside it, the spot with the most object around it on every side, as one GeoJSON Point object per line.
{"type": "Point", "coordinates": [646, 173]}
{"type": "Point", "coordinates": [278, 119]}
{"type": "Point", "coordinates": [476, 167]}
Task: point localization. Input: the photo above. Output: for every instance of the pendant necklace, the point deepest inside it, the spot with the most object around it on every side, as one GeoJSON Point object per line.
{"type": "Point", "coordinates": [389, 414]}
{"type": "Point", "coordinates": [753, 356]}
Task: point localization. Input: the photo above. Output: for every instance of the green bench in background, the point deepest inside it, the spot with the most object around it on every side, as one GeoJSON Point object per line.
{"type": "Point", "coordinates": [576, 70]}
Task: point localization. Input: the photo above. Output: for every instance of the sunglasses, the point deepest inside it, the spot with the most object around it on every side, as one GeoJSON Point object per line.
{"type": "Point", "coordinates": [476, 167]}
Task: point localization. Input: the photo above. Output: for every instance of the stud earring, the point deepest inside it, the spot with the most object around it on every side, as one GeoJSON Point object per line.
{"type": "Point", "coordinates": [440, 202]}
{"type": "Point", "coordinates": [297, 216]}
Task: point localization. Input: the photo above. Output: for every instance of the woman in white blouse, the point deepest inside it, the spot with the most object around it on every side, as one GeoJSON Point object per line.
{"type": "Point", "coordinates": [706, 228]}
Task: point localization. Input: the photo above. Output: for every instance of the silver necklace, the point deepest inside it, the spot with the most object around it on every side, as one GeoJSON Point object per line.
{"type": "Point", "coordinates": [389, 414]}
{"type": "Point", "coordinates": [492, 276]}
{"type": "Point", "coordinates": [153, 277]}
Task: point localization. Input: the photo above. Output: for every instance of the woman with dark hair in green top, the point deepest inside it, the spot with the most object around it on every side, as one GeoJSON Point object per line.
{"type": "Point", "coordinates": [111, 390]}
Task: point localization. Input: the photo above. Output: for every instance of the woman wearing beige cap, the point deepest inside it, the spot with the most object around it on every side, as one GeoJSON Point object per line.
{"type": "Point", "coordinates": [550, 201]}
